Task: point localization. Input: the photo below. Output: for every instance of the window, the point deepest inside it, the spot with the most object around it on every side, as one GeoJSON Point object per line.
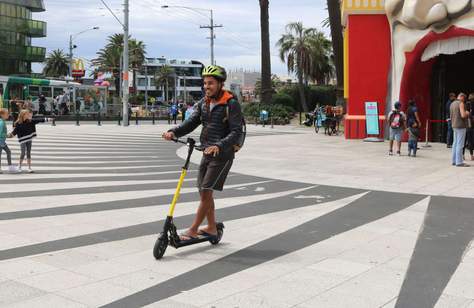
{"type": "Point", "coordinates": [57, 91]}
{"type": "Point", "coordinates": [34, 91]}
{"type": "Point", "coordinates": [46, 91]}
{"type": "Point", "coordinates": [141, 82]}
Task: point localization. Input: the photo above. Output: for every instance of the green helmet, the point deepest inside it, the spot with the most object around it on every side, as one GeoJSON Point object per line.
{"type": "Point", "coordinates": [215, 71]}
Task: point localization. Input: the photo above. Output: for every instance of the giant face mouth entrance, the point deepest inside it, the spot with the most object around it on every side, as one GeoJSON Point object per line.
{"type": "Point", "coordinates": [451, 74]}
{"type": "Point", "coordinates": [421, 74]}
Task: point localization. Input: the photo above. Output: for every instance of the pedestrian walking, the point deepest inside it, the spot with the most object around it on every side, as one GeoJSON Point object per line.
{"type": "Point", "coordinates": [3, 143]}
{"type": "Point", "coordinates": [459, 121]}
{"type": "Point", "coordinates": [174, 112]}
{"type": "Point", "coordinates": [184, 107]}
{"type": "Point", "coordinates": [397, 123]}
{"type": "Point", "coordinates": [25, 130]}
{"type": "Point", "coordinates": [42, 104]}
{"type": "Point", "coordinates": [449, 132]}
{"type": "Point", "coordinates": [469, 145]}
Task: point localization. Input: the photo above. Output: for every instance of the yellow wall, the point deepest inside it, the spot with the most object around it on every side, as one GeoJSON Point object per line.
{"type": "Point", "coordinates": [361, 7]}
{"type": "Point", "coordinates": [346, 63]}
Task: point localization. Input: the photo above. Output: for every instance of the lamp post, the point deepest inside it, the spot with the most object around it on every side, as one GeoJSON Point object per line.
{"type": "Point", "coordinates": [71, 46]}
{"type": "Point", "coordinates": [211, 26]}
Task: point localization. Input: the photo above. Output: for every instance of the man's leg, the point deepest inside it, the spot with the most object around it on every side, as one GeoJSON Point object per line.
{"type": "Point", "coordinates": [206, 208]}
{"type": "Point", "coordinates": [453, 154]}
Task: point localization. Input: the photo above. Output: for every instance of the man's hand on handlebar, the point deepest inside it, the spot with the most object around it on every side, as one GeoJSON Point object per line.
{"type": "Point", "coordinates": [212, 150]}
{"type": "Point", "coordinates": [169, 136]}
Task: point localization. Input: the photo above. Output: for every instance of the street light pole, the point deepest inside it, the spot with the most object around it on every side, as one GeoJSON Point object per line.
{"type": "Point", "coordinates": [125, 89]}
{"type": "Point", "coordinates": [70, 56]}
{"type": "Point", "coordinates": [71, 46]}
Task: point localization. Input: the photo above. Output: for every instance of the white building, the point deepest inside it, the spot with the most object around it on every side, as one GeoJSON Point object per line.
{"type": "Point", "coordinates": [187, 77]}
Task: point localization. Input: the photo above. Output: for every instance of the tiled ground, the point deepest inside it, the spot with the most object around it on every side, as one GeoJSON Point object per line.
{"type": "Point", "coordinates": [80, 231]}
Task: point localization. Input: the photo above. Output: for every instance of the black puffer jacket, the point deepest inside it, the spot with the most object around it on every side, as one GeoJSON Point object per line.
{"type": "Point", "coordinates": [217, 129]}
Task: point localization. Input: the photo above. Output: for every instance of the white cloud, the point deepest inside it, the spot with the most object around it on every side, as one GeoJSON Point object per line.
{"type": "Point", "coordinates": [175, 33]}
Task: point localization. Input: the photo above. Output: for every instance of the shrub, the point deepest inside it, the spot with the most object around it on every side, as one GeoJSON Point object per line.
{"type": "Point", "coordinates": [281, 114]}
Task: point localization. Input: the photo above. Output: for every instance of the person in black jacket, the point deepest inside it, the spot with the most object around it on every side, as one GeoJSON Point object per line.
{"type": "Point", "coordinates": [25, 130]}
{"type": "Point", "coordinates": [221, 117]}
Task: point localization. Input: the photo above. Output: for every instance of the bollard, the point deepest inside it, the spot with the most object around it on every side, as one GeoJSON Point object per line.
{"type": "Point", "coordinates": [77, 119]}
{"type": "Point", "coordinates": [153, 118]}
{"type": "Point", "coordinates": [426, 145]}
{"type": "Point", "coordinates": [271, 119]}
{"type": "Point", "coordinates": [98, 119]}
{"type": "Point", "coordinates": [119, 118]}
{"type": "Point", "coordinates": [136, 118]}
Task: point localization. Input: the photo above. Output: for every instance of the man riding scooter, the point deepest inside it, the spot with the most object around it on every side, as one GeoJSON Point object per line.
{"type": "Point", "coordinates": [221, 118]}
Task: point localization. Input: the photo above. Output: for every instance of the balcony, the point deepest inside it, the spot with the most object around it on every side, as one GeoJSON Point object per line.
{"type": "Point", "coordinates": [27, 53]}
{"type": "Point", "coordinates": [33, 5]}
{"type": "Point", "coordinates": [33, 28]}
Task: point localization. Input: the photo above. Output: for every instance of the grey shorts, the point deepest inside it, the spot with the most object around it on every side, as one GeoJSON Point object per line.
{"type": "Point", "coordinates": [396, 134]}
{"type": "Point", "coordinates": [213, 173]}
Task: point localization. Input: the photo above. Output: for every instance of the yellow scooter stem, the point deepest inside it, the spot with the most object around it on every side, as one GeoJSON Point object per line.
{"type": "Point", "coordinates": [177, 192]}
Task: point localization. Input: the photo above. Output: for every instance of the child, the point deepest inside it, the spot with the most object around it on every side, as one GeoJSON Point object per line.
{"type": "Point", "coordinates": [3, 145]}
{"type": "Point", "coordinates": [413, 135]}
{"type": "Point", "coordinates": [25, 130]}
{"type": "Point", "coordinates": [396, 121]}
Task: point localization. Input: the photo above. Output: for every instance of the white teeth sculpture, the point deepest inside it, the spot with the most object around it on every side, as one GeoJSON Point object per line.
{"type": "Point", "coordinates": [415, 33]}
{"type": "Point", "coordinates": [413, 20]}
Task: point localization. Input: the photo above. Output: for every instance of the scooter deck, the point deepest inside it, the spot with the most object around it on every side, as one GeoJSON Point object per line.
{"type": "Point", "coordinates": [195, 240]}
{"type": "Point", "coordinates": [198, 239]}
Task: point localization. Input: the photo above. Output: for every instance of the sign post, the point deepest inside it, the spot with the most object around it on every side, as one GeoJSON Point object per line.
{"type": "Point", "coordinates": [372, 122]}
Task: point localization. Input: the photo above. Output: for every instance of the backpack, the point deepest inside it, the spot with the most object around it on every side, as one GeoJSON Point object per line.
{"type": "Point", "coordinates": [396, 120]}
{"type": "Point", "coordinates": [240, 143]}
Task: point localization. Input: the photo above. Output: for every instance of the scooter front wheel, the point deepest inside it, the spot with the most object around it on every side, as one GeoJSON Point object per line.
{"type": "Point", "coordinates": [160, 246]}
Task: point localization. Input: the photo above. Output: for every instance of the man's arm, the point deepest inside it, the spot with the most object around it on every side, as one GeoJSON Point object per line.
{"type": "Point", "coordinates": [235, 126]}
{"type": "Point", "coordinates": [189, 124]}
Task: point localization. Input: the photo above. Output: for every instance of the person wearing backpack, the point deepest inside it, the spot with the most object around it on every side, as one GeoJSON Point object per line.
{"type": "Point", "coordinates": [222, 122]}
{"type": "Point", "coordinates": [396, 121]}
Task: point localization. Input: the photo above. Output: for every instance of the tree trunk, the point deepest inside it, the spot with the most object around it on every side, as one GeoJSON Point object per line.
{"type": "Point", "coordinates": [334, 10]}
{"type": "Point", "coordinates": [266, 91]}
{"type": "Point", "coordinates": [302, 96]}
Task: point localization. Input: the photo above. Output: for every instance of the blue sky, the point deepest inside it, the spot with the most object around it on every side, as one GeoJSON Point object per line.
{"type": "Point", "coordinates": [175, 33]}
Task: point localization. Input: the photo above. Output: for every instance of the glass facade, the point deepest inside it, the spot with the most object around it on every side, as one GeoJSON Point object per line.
{"type": "Point", "coordinates": [16, 30]}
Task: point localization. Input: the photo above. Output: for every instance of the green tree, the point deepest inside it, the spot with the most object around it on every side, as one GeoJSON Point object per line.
{"type": "Point", "coordinates": [275, 82]}
{"type": "Point", "coordinates": [322, 66]}
{"type": "Point", "coordinates": [266, 88]}
{"type": "Point", "coordinates": [296, 49]}
{"type": "Point", "coordinates": [56, 64]}
{"type": "Point", "coordinates": [163, 77]}
{"type": "Point", "coordinates": [109, 58]}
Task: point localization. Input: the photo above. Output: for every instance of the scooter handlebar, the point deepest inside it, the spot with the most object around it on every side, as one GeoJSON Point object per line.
{"type": "Point", "coordinates": [189, 142]}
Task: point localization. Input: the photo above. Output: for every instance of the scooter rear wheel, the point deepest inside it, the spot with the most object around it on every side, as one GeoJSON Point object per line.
{"type": "Point", "coordinates": [220, 233]}
{"type": "Point", "coordinates": [160, 246]}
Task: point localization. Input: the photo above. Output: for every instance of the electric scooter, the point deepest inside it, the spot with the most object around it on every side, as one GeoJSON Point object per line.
{"type": "Point", "coordinates": [170, 236]}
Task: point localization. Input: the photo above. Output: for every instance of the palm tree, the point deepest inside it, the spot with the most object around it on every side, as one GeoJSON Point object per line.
{"type": "Point", "coordinates": [163, 76]}
{"type": "Point", "coordinates": [266, 90]}
{"type": "Point", "coordinates": [137, 57]}
{"type": "Point", "coordinates": [56, 64]}
{"type": "Point", "coordinates": [109, 58]}
{"type": "Point", "coordinates": [297, 50]}
{"type": "Point", "coordinates": [334, 10]}
{"type": "Point", "coordinates": [322, 66]}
